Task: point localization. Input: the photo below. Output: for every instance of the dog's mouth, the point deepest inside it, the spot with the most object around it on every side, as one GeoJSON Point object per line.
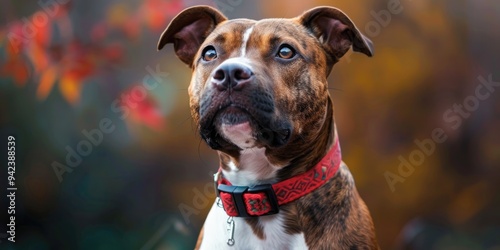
{"type": "Point", "coordinates": [236, 126]}
{"type": "Point", "coordinates": [232, 115]}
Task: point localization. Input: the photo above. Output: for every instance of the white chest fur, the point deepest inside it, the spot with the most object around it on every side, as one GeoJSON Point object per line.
{"type": "Point", "coordinates": [215, 234]}
{"type": "Point", "coordinates": [253, 168]}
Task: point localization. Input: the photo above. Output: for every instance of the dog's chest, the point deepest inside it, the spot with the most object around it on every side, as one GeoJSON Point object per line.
{"type": "Point", "coordinates": [216, 235]}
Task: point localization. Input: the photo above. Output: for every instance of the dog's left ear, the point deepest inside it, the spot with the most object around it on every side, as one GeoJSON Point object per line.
{"type": "Point", "coordinates": [188, 30]}
{"type": "Point", "coordinates": [336, 31]}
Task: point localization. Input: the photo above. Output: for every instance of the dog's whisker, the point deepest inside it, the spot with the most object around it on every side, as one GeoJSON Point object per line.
{"type": "Point", "coordinates": [184, 120]}
{"type": "Point", "coordinates": [199, 154]}
{"type": "Point", "coordinates": [335, 89]}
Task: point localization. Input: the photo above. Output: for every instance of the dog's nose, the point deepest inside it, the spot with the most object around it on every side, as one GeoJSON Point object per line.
{"type": "Point", "coordinates": [231, 75]}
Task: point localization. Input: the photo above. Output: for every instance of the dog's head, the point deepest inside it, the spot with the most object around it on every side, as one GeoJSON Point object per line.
{"type": "Point", "coordinates": [261, 83]}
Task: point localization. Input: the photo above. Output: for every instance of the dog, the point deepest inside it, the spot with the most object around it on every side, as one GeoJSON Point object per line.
{"type": "Point", "coordinates": [259, 96]}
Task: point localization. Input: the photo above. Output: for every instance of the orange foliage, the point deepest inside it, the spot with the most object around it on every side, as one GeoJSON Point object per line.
{"type": "Point", "coordinates": [156, 12]}
{"type": "Point", "coordinates": [71, 63]}
{"type": "Point", "coordinates": [14, 66]}
{"type": "Point", "coordinates": [70, 88]}
{"type": "Point", "coordinates": [47, 80]}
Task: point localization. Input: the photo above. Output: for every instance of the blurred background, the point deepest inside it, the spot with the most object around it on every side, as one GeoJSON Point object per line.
{"type": "Point", "coordinates": [108, 158]}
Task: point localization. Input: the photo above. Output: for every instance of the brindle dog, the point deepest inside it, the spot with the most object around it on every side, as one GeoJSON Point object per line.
{"type": "Point", "coordinates": [259, 95]}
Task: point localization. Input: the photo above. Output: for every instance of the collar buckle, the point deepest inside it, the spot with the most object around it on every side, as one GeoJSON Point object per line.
{"type": "Point", "coordinates": [243, 201]}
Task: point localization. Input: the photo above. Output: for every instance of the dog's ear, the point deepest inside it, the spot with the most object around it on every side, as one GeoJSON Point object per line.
{"type": "Point", "coordinates": [188, 30]}
{"type": "Point", "coordinates": [336, 31]}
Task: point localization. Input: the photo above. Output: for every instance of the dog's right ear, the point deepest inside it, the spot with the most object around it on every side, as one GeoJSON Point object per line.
{"type": "Point", "coordinates": [188, 30]}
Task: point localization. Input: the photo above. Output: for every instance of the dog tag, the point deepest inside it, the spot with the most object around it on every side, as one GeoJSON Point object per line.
{"type": "Point", "coordinates": [230, 231]}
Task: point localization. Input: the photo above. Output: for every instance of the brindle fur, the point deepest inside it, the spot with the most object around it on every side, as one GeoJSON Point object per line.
{"type": "Point", "coordinates": [333, 216]}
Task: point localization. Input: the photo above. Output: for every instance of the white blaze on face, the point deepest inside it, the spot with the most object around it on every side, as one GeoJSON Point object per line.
{"type": "Point", "coordinates": [240, 134]}
{"type": "Point", "coordinates": [246, 36]}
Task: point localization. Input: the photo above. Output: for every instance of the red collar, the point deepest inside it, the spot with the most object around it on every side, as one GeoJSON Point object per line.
{"type": "Point", "coordinates": [265, 199]}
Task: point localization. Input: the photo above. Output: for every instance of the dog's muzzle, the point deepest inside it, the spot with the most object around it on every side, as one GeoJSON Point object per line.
{"type": "Point", "coordinates": [235, 96]}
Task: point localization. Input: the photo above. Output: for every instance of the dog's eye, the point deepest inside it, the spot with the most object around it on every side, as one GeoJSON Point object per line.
{"type": "Point", "coordinates": [209, 54]}
{"type": "Point", "coordinates": [286, 52]}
